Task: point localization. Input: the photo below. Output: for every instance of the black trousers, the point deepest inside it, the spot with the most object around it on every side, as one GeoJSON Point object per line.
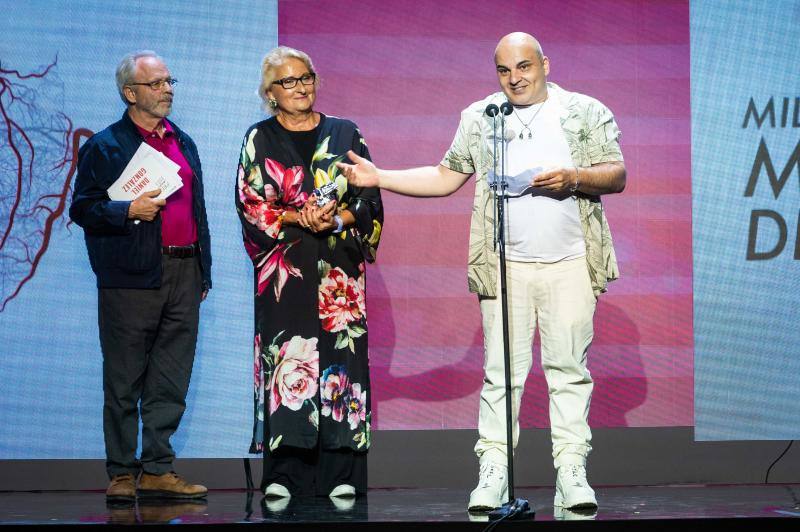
{"type": "Point", "coordinates": [148, 338]}
{"type": "Point", "coordinates": [314, 472]}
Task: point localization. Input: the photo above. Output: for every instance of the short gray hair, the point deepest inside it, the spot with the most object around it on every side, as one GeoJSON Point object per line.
{"type": "Point", "coordinates": [126, 70]}
{"type": "Point", "coordinates": [272, 61]}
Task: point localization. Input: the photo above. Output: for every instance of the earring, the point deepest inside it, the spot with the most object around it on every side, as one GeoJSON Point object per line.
{"type": "Point", "coordinates": [273, 103]}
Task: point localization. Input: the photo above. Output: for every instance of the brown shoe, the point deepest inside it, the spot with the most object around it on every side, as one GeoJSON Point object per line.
{"type": "Point", "coordinates": [168, 485]}
{"type": "Point", "coordinates": [122, 488]}
{"type": "Point", "coordinates": [161, 511]}
{"type": "Point", "coordinates": [122, 515]}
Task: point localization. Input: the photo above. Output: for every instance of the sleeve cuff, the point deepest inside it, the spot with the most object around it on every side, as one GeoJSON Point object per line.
{"type": "Point", "coordinates": [118, 211]}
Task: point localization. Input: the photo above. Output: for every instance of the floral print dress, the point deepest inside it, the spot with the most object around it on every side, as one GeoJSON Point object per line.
{"type": "Point", "coordinates": [311, 366]}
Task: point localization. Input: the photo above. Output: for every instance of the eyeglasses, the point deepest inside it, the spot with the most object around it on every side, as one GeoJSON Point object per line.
{"type": "Point", "coordinates": [289, 82]}
{"type": "Point", "coordinates": [158, 84]}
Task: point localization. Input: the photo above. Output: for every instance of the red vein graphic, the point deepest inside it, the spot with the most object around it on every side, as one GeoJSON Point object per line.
{"type": "Point", "coordinates": [32, 246]}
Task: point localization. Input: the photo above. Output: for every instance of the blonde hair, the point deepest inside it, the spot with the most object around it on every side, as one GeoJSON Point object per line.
{"type": "Point", "coordinates": [271, 62]}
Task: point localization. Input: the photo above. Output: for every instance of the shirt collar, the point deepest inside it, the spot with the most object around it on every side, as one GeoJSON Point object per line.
{"type": "Point", "coordinates": [168, 130]}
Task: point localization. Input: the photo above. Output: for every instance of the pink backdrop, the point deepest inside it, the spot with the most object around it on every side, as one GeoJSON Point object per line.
{"type": "Point", "coordinates": [403, 71]}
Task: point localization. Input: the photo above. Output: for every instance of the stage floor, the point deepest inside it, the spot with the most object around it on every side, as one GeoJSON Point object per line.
{"type": "Point", "coordinates": [753, 507]}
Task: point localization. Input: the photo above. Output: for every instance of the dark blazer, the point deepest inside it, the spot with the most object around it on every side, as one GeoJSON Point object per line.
{"type": "Point", "coordinates": [124, 254]}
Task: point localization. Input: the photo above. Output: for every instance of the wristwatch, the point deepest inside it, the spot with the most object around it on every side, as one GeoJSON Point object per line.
{"type": "Point", "coordinates": [339, 224]}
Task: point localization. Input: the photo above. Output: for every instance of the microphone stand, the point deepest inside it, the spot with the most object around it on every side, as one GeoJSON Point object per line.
{"type": "Point", "coordinates": [514, 509]}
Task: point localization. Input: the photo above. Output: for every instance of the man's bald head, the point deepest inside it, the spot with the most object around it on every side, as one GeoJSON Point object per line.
{"type": "Point", "coordinates": [522, 69]}
{"type": "Point", "coordinates": [519, 39]}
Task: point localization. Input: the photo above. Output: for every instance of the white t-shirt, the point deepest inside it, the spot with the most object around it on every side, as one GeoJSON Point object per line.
{"type": "Point", "coordinates": [540, 226]}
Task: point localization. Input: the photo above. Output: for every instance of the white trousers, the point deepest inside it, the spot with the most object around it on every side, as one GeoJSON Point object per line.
{"type": "Point", "coordinates": [558, 298]}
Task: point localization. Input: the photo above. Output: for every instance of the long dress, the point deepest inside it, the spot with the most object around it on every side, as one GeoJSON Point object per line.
{"type": "Point", "coordinates": [311, 366]}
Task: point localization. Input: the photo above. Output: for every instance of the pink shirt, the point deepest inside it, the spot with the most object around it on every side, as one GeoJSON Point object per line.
{"type": "Point", "coordinates": [178, 227]}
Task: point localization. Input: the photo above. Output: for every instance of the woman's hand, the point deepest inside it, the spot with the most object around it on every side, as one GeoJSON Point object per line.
{"type": "Point", "coordinates": [293, 217]}
{"type": "Point", "coordinates": [317, 219]}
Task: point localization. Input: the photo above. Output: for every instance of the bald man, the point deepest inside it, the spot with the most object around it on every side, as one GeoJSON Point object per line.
{"type": "Point", "coordinates": [558, 246]}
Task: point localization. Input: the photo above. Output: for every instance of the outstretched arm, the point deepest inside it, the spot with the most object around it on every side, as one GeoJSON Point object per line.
{"type": "Point", "coordinates": [425, 181]}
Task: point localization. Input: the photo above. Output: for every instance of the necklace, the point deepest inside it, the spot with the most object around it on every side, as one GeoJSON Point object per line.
{"type": "Point", "coordinates": [527, 125]}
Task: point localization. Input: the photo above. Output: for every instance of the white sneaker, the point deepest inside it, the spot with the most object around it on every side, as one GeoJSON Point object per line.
{"type": "Point", "coordinates": [343, 504]}
{"type": "Point", "coordinates": [478, 517]}
{"type": "Point", "coordinates": [276, 491]}
{"type": "Point", "coordinates": [343, 490]}
{"type": "Point", "coordinates": [572, 488]}
{"type": "Point", "coordinates": [576, 514]}
{"type": "Point", "coordinates": [492, 490]}
{"type": "Point", "coordinates": [277, 505]}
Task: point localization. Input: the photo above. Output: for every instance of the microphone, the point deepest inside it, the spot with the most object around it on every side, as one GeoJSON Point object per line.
{"type": "Point", "coordinates": [492, 111]}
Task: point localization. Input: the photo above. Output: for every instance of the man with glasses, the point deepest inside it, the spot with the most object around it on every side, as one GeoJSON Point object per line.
{"type": "Point", "coordinates": [152, 260]}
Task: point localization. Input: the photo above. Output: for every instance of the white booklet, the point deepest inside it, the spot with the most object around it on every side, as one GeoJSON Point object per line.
{"type": "Point", "coordinates": [149, 169]}
{"type": "Point", "coordinates": [518, 184]}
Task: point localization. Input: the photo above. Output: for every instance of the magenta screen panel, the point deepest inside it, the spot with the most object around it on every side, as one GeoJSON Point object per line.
{"type": "Point", "coordinates": [403, 71]}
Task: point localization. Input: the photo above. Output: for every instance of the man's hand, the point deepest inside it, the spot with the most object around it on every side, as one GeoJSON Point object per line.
{"type": "Point", "coordinates": [146, 207]}
{"type": "Point", "coordinates": [203, 295]}
{"type": "Point", "coordinates": [361, 174]}
{"type": "Point", "coordinates": [425, 181]}
{"type": "Point", "coordinates": [598, 179]}
{"type": "Point", "coordinates": [556, 179]}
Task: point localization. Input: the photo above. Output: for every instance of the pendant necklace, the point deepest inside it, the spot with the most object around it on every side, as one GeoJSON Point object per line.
{"type": "Point", "coordinates": [527, 125]}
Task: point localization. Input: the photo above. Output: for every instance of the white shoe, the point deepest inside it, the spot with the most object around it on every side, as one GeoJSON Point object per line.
{"type": "Point", "coordinates": [276, 491]}
{"type": "Point", "coordinates": [277, 505]}
{"type": "Point", "coordinates": [343, 490]}
{"type": "Point", "coordinates": [492, 488]}
{"type": "Point", "coordinates": [343, 504]}
{"type": "Point", "coordinates": [572, 488]}
{"type": "Point", "coordinates": [577, 514]}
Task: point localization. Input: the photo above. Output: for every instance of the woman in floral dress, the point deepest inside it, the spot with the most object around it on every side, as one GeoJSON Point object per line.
{"type": "Point", "coordinates": [312, 391]}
